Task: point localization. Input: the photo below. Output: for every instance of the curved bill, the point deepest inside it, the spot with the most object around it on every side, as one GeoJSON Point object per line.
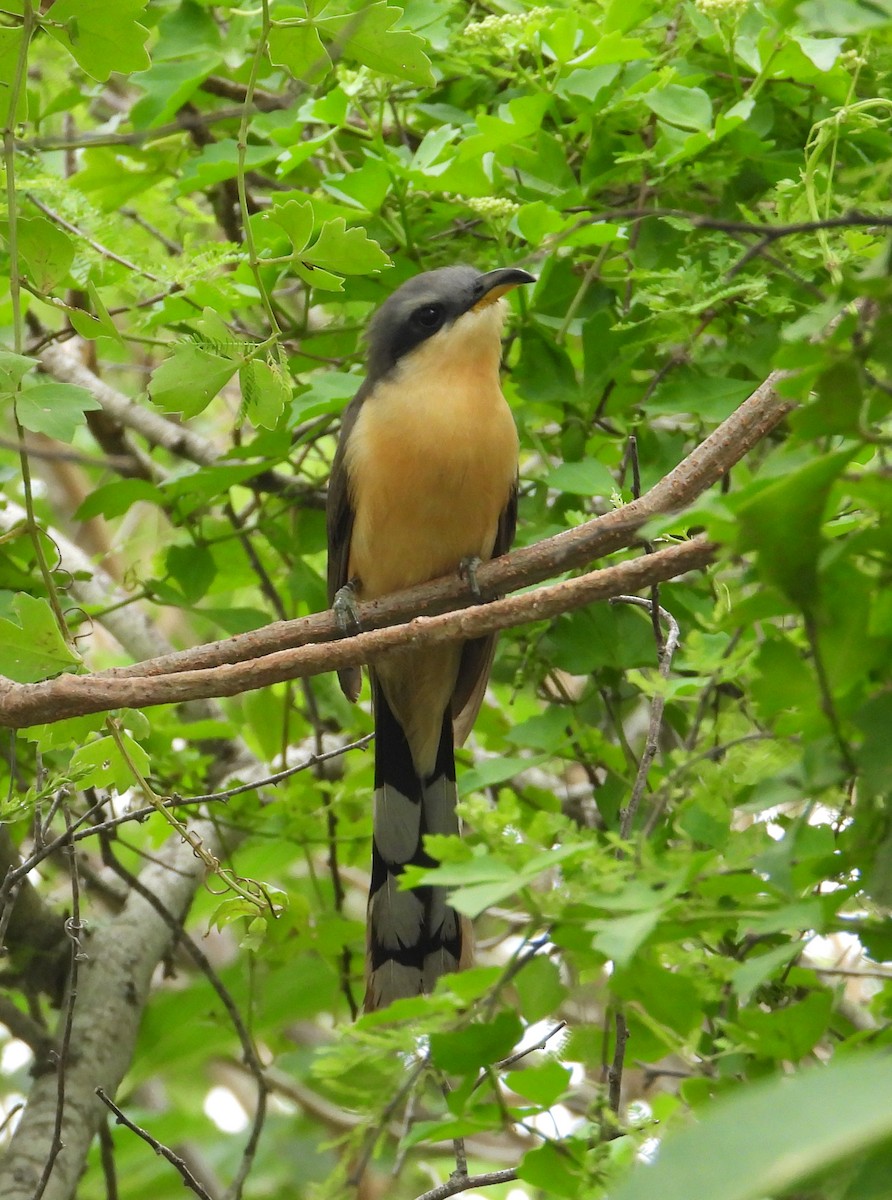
{"type": "Point", "coordinates": [496, 283]}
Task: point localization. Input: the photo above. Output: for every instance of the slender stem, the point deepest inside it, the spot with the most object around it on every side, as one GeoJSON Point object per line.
{"type": "Point", "coordinates": [247, 231]}
{"type": "Point", "coordinates": [29, 24]}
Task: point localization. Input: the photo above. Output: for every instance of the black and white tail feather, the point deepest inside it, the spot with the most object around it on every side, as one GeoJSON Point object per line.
{"type": "Point", "coordinates": [414, 937]}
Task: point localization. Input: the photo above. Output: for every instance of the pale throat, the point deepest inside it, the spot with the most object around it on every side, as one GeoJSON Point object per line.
{"type": "Point", "coordinates": [432, 459]}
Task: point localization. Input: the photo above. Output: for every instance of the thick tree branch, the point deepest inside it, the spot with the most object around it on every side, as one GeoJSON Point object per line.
{"type": "Point", "coordinates": [71, 695]}
{"type": "Point", "coordinates": [290, 649]}
{"type": "Point", "coordinates": [114, 983]}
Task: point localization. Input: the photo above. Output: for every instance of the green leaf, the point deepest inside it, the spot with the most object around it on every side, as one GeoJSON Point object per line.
{"type": "Point", "coordinates": [844, 16]}
{"type": "Point", "coordinates": [347, 251]}
{"type": "Point", "coordinates": [266, 391]}
{"type": "Point", "coordinates": [368, 36]}
{"type": "Point", "coordinates": [788, 1033]}
{"type": "Point", "coordinates": [585, 478]}
{"type": "Point", "coordinates": [168, 86]}
{"type": "Point", "coordinates": [102, 763]}
{"type": "Point", "coordinates": [13, 369]}
{"type": "Point", "coordinates": [781, 521]}
{"type": "Point", "coordinates": [115, 499]}
{"type": "Point", "coordinates": [543, 1084]}
{"type": "Point", "coordinates": [34, 648]}
{"type": "Point", "coordinates": [620, 938]}
{"type": "Point", "coordinates": [189, 380]}
{"type": "Point", "coordinates": [10, 51]}
{"type": "Point", "coordinates": [757, 969]}
{"type": "Point", "coordinates": [93, 326]}
{"type": "Point", "coordinates": [296, 218]}
{"type": "Point", "coordinates": [772, 1135]}
{"type": "Point", "coordinates": [689, 108]}
{"type": "Point", "coordinates": [552, 1170]}
{"type": "Point", "coordinates": [298, 47]}
{"type": "Point", "coordinates": [56, 409]}
{"type": "Point", "coordinates": [539, 988]}
{"type": "Point", "coordinates": [47, 253]}
{"type": "Point", "coordinates": [193, 568]}
{"type": "Point", "coordinates": [666, 996]}
{"type": "Point", "coordinates": [478, 1045]}
{"type": "Point", "coordinates": [102, 37]}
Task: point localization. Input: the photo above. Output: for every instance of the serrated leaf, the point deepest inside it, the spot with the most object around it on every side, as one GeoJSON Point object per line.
{"type": "Point", "coordinates": [56, 409]}
{"type": "Point", "coordinates": [266, 391]}
{"type": "Point", "coordinates": [189, 380]}
{"type": "Point", "coordinates": [34, 648]}
{"type": "Point", "coordinates": [368, 36]}
{"type": "Point", "coordinates": [296, 218]}
{"type": "Point", "coordinates": [348, 251]}
{"type": "Point", "coordinates": [103, 764]}
{"type": "Point", "coordinates": [47, 253]}
{"type": "Point", "coordinates": [102, 37]}
{"type": "Point", "coordinates": [13, 369]}
{"type": "Point", "coordinates": [298, 47]}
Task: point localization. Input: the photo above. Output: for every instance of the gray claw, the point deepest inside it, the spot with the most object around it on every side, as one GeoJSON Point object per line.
{"type": "Point", "coordinates": [467, 569]}
{"type": "Point", "coordinates": [344, 608]}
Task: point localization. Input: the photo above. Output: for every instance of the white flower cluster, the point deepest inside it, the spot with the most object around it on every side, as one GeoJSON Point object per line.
{"type": "Point", "coordinates": [718, 8]}
{"type": "Point", "coordinates": [491, 206]}
{"type": "Point", "coordinates": [504, 27]}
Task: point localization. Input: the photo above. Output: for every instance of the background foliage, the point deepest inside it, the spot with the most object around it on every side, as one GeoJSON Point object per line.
{"type": "Point", "coordinates": [205, 203]}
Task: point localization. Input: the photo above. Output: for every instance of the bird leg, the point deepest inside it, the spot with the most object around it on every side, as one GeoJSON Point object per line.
{"type": "Point", "coordinates": [344, 608]}
{"type": "Point", "coordinates": [467, 570]}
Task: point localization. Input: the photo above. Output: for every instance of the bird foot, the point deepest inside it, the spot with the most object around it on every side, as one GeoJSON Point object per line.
{"type": "Point", "coordinates": [345, 610]}
{"type": "Point", "coordinates": [467, 570]}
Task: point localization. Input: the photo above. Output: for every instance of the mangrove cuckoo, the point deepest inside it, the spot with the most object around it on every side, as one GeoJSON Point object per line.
{"type": "Point", "coordinates": [423, 484]}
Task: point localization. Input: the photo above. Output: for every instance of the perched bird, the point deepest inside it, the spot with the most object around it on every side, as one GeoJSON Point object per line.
{"type": "Point", "coordinates": [424, 483]}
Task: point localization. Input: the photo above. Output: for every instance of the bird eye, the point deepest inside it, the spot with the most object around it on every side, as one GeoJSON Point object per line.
{"type": "Point", "coordinates": [429, 317]}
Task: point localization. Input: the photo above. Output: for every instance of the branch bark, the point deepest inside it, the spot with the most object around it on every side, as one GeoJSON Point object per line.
{"type": "Point", "coordinates": [113, 986]}
{"type": "Point", "coordinates": [296, 649]}
{"type": "Point", "coordinates": [75, 695]}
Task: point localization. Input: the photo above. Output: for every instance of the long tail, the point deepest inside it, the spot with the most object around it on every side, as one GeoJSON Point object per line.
{"type": "Point", "coordinates": [413, 937]}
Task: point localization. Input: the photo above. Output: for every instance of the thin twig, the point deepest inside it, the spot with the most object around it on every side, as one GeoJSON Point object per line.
{"type": "Point", "coordinates": [186, 1175]}
{"type": "Point", "coordinates": [466, 1183]}
{"type": "Point", "coordinates": [540, 1045]}
{"type": "Point", "coordinates": [657, 705]}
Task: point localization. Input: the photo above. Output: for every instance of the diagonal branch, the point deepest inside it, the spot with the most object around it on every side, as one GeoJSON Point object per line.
{"type": "Point", "coordinates": [74, 695]}
{"type": "Point", "coordinates": [296, 649]}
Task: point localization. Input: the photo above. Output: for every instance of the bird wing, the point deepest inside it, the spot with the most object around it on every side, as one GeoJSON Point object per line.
{"type": "Point", "coordinates": [339, 525]}
{"type": "Point", "coordinates": [477, 655]}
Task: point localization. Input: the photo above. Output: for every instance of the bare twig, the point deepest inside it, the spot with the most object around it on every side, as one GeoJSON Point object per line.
{"type": "Point", "coordinates": [540, 1045]}
{"type": "Point", "coordinates": [657, 705]}
{"type": "Point", "coordinates": [466, 1183]}
{"type": "Point", "coordinates": [615, 1070]}
{"type": "Point", "coordinates": [186, 1175]}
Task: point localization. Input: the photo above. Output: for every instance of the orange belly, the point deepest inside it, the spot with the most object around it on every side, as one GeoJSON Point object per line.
{"type": "Point", "coordinates": [428, 485]}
